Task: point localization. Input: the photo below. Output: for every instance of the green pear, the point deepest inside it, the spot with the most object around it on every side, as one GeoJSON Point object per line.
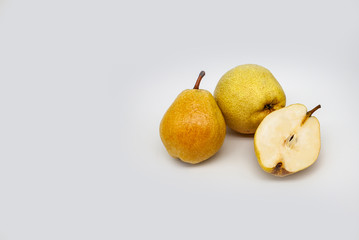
{"type": "Point", "coordinates": [193, 128]}
{"type": "Point", "coordinates": [246, 94]}
{"type": "Point", "coordinates": [288, 140]}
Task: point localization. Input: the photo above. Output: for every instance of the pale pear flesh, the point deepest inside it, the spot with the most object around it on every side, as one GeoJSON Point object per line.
{"type": "Point", "coordinates": [287, 140]}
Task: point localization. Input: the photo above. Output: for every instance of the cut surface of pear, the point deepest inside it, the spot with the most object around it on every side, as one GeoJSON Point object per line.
{"type": "Point", "coordinates": [288, 140]}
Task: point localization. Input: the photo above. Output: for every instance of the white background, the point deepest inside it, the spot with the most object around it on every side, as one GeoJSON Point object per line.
{"type": "Point", "coordinates": [84, 85]}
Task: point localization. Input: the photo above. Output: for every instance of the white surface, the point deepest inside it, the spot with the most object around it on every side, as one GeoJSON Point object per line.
{"type": "Point", "coordinates": [84, 85]}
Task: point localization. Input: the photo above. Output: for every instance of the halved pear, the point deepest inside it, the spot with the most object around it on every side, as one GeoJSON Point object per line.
{"type": "Point", "coordinates": [288, 140]}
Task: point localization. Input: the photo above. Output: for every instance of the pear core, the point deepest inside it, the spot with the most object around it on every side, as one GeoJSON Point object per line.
{"type": "Point", "coordinates": [288, 140]}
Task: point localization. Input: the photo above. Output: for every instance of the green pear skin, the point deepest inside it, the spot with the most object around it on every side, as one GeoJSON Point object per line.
{"type": "Point", "coordinates": [246, 94]}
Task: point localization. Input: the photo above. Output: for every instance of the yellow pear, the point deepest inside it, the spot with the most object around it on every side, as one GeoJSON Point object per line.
{"type": "Point", "coordinates": [288, 140]}
{"type": "Point", "coordinates": [246, 94]}
{"type": "Point", "coordinates": [193, 128]}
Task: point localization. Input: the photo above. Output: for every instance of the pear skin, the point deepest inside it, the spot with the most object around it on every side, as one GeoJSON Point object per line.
{"type": "Point", "coordinates": [288, 140]}
{"type": "Point", "coordinates": [246, 94]}
{"type": "Point", "coordinates": [193, 128]}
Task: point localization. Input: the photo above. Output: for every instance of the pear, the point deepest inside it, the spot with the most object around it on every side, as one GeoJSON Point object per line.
{"type": "Point", "coordinates": [246, 94]}
{"type": "Point", "coordinates": [288, 140]}
{"type": "Point", "coordinates": [193, 128]}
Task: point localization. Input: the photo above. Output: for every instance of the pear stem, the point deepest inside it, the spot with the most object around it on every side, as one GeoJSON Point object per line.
{"type": "Point", "coordinates": [309, 113]}
{"type": "Point", "coordinates": [201, 75]}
